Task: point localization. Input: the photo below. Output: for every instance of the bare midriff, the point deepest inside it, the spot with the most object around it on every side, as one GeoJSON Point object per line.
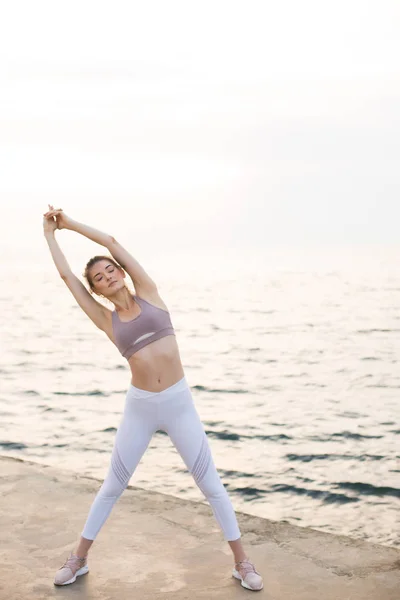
{"type": "Point", "coordinates": [157, 366]}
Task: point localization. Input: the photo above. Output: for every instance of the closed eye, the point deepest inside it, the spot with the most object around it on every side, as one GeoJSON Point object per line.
{"type": "Point", "coordinates": [108, 271]}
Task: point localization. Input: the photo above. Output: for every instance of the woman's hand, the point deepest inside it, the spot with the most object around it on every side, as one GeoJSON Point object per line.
{"type": "Point", "coordinates": [57, 215]}
{"type": "Point", "coordinates": [49, 225]}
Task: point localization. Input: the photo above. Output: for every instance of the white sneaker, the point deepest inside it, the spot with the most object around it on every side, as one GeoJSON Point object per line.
{"type": "Point", "coordinates": [71, 569]}
{"type": "Point", "coordinates": [249, 577]}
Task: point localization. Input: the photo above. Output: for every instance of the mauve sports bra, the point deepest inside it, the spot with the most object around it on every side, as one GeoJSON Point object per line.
{"type": "Point", "coordinates": [150, 325]}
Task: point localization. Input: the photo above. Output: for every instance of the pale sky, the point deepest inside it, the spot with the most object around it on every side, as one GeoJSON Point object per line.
{"type": "Point", "coordinates": [245, 123]}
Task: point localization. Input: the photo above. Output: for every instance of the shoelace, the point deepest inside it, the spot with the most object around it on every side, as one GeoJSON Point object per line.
{"type": "Point", "coordinates": [248, 568]}
{"type": "Point", "coordinates": [72, 559]}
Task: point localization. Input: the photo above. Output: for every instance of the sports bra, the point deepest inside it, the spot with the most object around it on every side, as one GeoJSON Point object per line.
{"type": "Point", "coordinates": [150, 325]}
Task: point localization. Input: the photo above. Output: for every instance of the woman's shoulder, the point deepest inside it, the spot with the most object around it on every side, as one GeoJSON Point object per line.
{"type": "Point", "coordinates": [152, 297]}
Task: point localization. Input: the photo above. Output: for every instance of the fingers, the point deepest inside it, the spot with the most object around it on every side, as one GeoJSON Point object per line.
{"type": "Point", "coordinates": [53, 212]}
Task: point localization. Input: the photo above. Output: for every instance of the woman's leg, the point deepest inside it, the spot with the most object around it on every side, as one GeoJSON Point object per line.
{"type": "Point", "coordinates": [182, 422]}
{"type": "Point", "coordinates": [134, 433]}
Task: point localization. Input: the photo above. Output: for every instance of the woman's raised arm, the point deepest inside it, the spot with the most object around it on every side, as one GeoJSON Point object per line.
{"type": "Point", "coordinates": [136, 272]}
{"type": "Point", "coordinates": [49, 227]}
{"type": "Point", "coordinates": [94, 310]}
{"type": "Point", "coordinates": [63, 221]}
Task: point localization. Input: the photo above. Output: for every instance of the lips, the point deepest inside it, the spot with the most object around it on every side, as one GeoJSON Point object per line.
{"type": "Point", "coordinates": [110, 284]}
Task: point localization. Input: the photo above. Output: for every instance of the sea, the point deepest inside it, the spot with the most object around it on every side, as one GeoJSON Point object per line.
{"type": "Point", "coordinates": [293, 359]}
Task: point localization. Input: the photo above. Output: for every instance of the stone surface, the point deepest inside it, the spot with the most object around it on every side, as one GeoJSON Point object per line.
{"type": "Point", "coordinates": [159, 546]}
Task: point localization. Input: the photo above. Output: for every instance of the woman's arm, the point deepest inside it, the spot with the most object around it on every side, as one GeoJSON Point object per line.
{"type": "Point", "coordinates": [136, 272]}
{"type": "Point", "coordinates": [55, 218]}
{"type": "Point", "coordinates": [94, 310]}
{"type": "Point", "coordinates": [104, 239]}
{"type": "Point", "coordinates": [58, 257]}
{"type": "Point", "coordinates": [140, 278]}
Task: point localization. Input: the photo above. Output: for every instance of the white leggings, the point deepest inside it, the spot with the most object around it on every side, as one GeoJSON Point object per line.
{"type": "Point", "coordinates": [172, 410]}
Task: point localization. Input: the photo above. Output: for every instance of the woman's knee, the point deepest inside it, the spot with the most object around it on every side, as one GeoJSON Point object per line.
{"type": "Point", "coordinates": [111, 488]}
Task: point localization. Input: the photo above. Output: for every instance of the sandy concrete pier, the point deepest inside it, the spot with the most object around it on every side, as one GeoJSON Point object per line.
{"type": "Point", "coordinates": [158, 546]}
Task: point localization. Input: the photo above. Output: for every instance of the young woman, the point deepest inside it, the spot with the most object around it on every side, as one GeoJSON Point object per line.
{"type": "Point", "coordinates": [158, 397]}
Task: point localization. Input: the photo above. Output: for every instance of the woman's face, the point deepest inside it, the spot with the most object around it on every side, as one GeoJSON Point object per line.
{"type": "Point", "coordinates": [106, 278]}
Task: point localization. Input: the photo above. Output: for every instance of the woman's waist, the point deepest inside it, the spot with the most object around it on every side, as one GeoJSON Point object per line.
{"type": "Point", "coordinates": [170, 392]}
{"type": "Point", "coordinates": [157, 368]}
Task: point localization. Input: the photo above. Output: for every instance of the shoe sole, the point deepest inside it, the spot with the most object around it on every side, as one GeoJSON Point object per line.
{"type": "Point", "coordinates": [81, 571]}
{"type": "Point", "coordinates": [237, 575]}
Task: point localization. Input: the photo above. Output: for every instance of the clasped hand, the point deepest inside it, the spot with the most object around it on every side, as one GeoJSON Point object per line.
{"type": "Point", "coordinates": [54, 219]}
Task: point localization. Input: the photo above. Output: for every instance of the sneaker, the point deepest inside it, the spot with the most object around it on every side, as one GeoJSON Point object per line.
{"type": "Point", "coordinates": [246, 572]}
{"type": "Point", "coordinates": [71, 569]}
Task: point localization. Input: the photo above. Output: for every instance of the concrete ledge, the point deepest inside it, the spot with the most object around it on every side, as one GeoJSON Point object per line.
{"type": "Point", "coordinates": [159, 546]}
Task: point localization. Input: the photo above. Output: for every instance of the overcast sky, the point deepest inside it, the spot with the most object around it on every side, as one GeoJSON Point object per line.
{"type": "Point", "coordinates": [247, 123]}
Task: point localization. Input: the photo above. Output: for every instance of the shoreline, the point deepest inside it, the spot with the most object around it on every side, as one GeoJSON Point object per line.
{"type": "Point", "coordinates": [240, 507]}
